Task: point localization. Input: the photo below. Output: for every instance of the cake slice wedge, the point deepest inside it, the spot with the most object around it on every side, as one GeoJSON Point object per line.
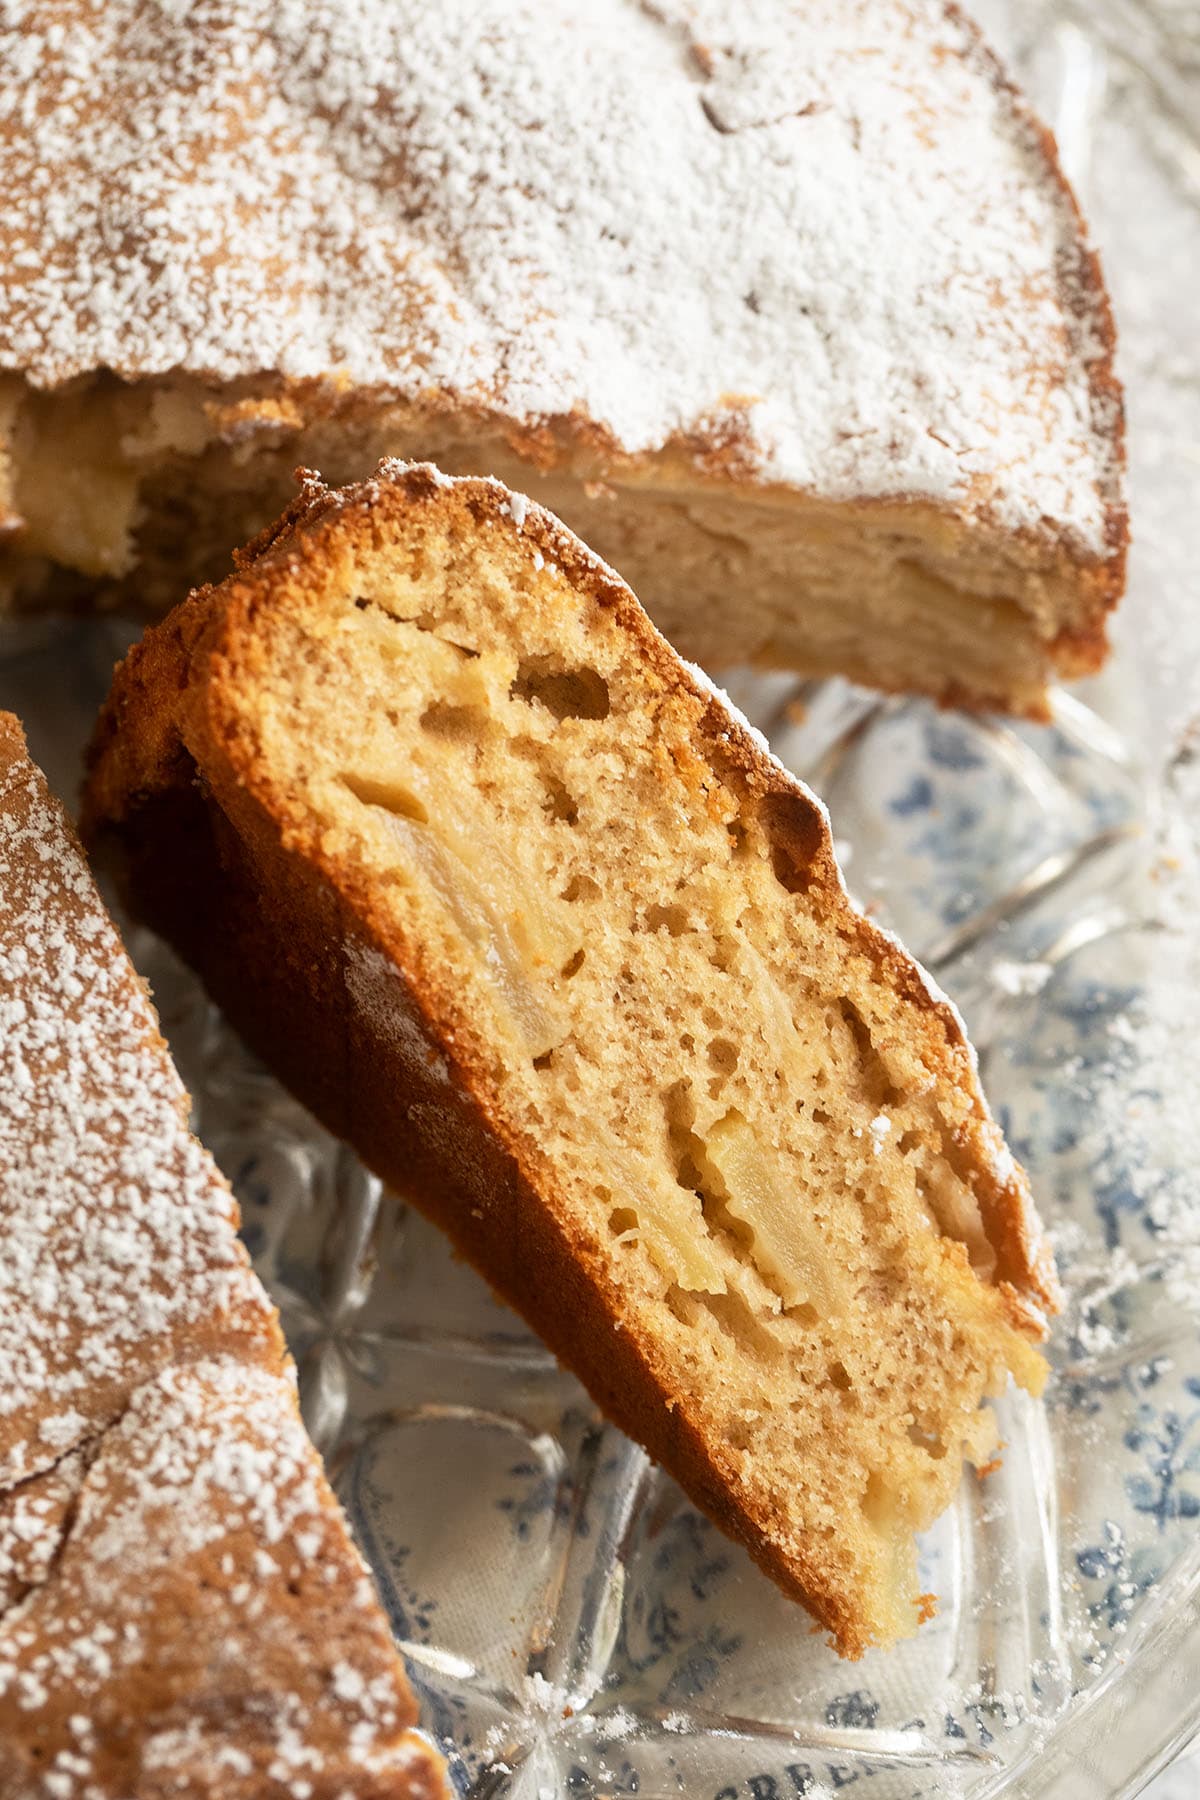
{"type": "Point", "coordinates": [517, 904]}
{"type": "Point", "coordinates": [182, 1610]}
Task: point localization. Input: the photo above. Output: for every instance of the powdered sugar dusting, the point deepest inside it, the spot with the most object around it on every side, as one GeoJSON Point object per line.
{"type": "Point", "coordinates": [207, 1486]}
{"type": "Point", "coordinates": [119, 1235]}
{"type": "Point", "coordinates": [816, 244]}
{"type": "Point", "coordinates": [153, 1465]}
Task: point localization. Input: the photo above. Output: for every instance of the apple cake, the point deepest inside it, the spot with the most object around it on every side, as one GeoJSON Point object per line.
{"type": "Point", "coordinates": [786, 308]}
{"type": "Point", "coordinates": [525, 912]}
{"type": "Point", "coordinates": [181, 1607]}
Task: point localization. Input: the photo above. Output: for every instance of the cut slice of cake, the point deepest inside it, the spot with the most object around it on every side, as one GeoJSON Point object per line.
{"type": "Point", "coordinates": [523, 910]}
{"type": "Point", "coordinates": [181, 1607]}
{"type": "Point", "coordinates": [786, 308]}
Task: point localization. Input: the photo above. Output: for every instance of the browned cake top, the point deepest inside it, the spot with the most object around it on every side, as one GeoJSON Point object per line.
{"type": "Point", "coordinates": [821, 245]}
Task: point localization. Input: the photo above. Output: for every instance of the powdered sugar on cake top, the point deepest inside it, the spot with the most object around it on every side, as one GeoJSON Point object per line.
{"type": "Point", "coordinates": [207, 1485]}
{"type": "Point", "coordinates": [153, 1464]}
{"type": "Point", "coordinates": [820, 245]}
{"type": "Point", "coordinates": [118, 1246]}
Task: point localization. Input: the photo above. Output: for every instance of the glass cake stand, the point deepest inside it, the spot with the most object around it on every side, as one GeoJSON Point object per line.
{"type": "Point", "coordinates": [573, 1627]}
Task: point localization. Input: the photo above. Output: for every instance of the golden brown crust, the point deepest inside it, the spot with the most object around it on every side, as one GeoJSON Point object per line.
{"type": "Point", "coordinates": [199, 832]}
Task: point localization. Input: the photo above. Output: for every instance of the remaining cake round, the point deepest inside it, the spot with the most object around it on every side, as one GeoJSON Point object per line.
{"type": "Point", "coordinates": [785, 307]}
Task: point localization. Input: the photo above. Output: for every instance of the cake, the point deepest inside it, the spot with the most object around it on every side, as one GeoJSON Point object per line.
{"type": "Point", "coordinates": [518, 905]}
{"type": "Point", "coordinates": [787, 309]}
{"type": "Point", "coordinates": [206, 1627]}
{"type": "Point", "coordinates": [181, 1607]}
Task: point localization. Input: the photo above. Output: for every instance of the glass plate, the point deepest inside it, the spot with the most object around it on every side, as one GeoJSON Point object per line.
{"type": "Point", "coordinates": [572, 1625]}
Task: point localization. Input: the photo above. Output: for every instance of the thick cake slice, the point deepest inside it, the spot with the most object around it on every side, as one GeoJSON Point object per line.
{"type": "Point", "coordinates": [518, 905]}
{"type": "Point", "coordinates": [181, 1607]}
{"type": "Point", "coordinates": [787, 308]}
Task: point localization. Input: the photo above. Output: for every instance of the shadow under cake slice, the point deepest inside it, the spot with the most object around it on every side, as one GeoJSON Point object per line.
{"type": "Point", "coordinates": [522, 909]}
{"type": "Point", "coordinates": [181, 1606]}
